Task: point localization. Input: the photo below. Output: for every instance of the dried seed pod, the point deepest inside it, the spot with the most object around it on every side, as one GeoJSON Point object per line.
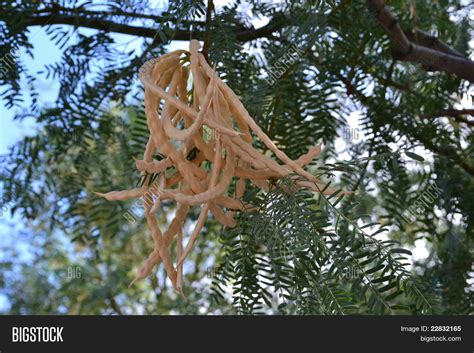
{"type": "Point", "coordinates": [185, 134]}
{"type": "Point", "coordinates": [179, 127]}
{"type": "Point", "coordinates": [123, 194]}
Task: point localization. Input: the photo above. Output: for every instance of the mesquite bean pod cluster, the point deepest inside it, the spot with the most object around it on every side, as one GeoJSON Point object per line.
{"type": "Point", "coordinates": [177, 119]}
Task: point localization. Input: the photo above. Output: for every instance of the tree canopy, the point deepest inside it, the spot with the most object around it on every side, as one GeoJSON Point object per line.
{"type": "Point", "coordinates": [387, 88]}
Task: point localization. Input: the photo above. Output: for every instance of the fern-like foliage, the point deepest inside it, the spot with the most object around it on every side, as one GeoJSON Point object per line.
{"type": "Point", "coordinates": [297, 253]}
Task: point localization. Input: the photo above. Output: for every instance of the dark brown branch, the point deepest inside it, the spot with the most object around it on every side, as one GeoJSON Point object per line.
{"type": "Point", "coordinates": [113, 304]}
{"type": "Point", "coordinates": [456, 114]}
{"type": "Point", "coordinates": [80, 17]}
{"type": "Point", "coordinates": [422, 38]}
{"type": "Point", "coordinates": [242, 35]}
{"type": "Point", "coordinates": [435, 57]}
{"type": "Point", "coordinates": [82, 12]}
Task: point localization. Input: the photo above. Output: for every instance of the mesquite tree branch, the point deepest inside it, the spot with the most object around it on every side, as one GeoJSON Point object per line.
{"type": "Point", "coordinates": [422, 38]}
{"type": "Point", "coordinates": [70, 17]}
{"type": "Point", "coordinates": [456, 114]}
{"type": "Point", "coordinates": [436, 56]}
{"type": "Point", "coordinates": [413, 46]}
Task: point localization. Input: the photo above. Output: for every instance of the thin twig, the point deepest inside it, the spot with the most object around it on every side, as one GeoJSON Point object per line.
{"type": "Point", "coordinates": [205, 49]}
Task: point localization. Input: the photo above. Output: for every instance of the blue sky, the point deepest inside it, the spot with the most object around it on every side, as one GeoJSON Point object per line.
{"type": "Point", "coordinates": [13, 131]}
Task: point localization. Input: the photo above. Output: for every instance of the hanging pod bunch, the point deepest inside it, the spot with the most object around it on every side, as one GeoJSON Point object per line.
{"type": "Point", "coordinates": [179, 122]}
